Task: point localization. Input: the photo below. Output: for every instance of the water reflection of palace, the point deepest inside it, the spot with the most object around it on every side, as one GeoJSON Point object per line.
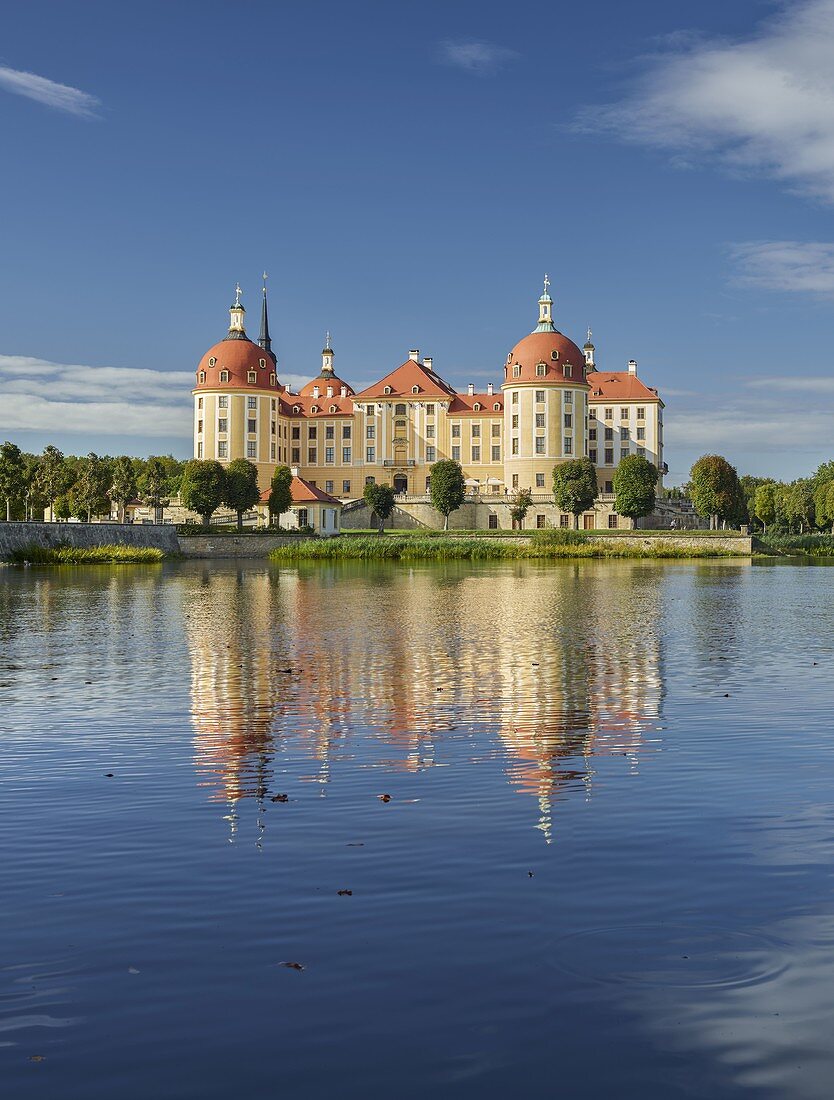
{"type": "Point", "coordinates": [545, 669]}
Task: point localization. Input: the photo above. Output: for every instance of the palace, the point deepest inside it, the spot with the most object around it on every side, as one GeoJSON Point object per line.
{"type": "Point", "coordinates": [552, 403]}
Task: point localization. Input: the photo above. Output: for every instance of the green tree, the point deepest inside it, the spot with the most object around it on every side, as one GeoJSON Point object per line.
{"type": "Point", "coordinates": [380, 499]}
{"type": "Point", "coordinates": [799, 504]}
{"type": "Point", "coordinates": [575, 486]}
{"type": "Point", "coordinates": [54, 478]}
{"type": "Point", "coordinates": [12, 476]}
{"type": "Point", "coordinates": [154, 486]}
{"type": "Point", "coordinates": [202, 487]}
{"type": "Point", "coordinates": [241, 490]}
{"type": "Point", "coordinates": [520, 505]}
{"type": "Point", "coordinates": [89, 493]}
{"type": "Point", "coordinates": [124, 487]}
{"type": "Point", "coordinates": [280, 493]}
{"type": "Point", "coordinates": [447, 488]}
{"type": "Point", "coordinates": [764, 503]}
{"type": "Point", "coordinates": [824, 504]}
{"type": "Point", "coordinates": [635, 481]}
{"type": "Point", "coordinates": [715, 489]}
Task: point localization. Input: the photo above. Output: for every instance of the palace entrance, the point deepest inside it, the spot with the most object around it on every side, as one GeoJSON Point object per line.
{"type": "Point", "coordinates": [400, 483]}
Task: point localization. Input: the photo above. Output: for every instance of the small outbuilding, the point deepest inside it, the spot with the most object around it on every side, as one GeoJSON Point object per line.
{"type": "Point", "coordinates": [311, 507]}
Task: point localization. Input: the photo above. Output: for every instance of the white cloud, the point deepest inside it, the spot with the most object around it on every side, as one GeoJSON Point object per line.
{"type": "Point", "coordinates": [60, 96]}
{"type": "Point", "coordinates": [791, 384]}
{"type": "Point", "coordinates": [800, 266]}
{"type": "Point", "coordinates": [764, 103]}
{"type": "Point", "coordinates": [475, 57]}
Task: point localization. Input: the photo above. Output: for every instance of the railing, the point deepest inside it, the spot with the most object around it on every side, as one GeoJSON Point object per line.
{"type": "Point", "coordinates": [393, 462]}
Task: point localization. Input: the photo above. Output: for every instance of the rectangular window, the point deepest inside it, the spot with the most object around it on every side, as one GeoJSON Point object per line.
{"type": "Point", "coordinates": [592, 454]}
{"type": "Point", "coordinates": [328, 486]}
{"type": "Point", "coordinates": [540, 522]}
{"type": "Point", "coordinates": [641, 452]}
{"type": "Point", "coordinates": [199, 450]}
{"type": "Point", "coordinates": [609, 414]}
{"type": "Point", "coordinates": [346, 455]}
{"type": "Point", "coordinates": [371, 410]}
{"type": "Point", "coordinates": [568, 445]}
{"type": "Point", "coordinates": [222, 402]}
{"type": "Point", "coordinates": [568, 397]}
{"type": "Point", "coordinates": [302, 517]}
{"type": "Point", "coordinates": [456, 454]}
{"type": "Point", "coordinates": [431, 454]}
{"type": "Point", "coordinates": [251, 426]}
{"type": "Point", "coordinates": [311, 455]}
{"type": "Point", "coordinates": [567, 370]}
{"type": "Point", "coordinates": [222, 450]}
{"type": "Point", "coordinates": [539, 420]}
{"type": "Point", "coordinates": [251, 402]}
{"type": "Point", "coordinates": [345, 486]}
{"type": "Point", "coordinates": [476, 454]}
{"type": "Point", "coordinates": [541, 370]}
{"type": "Point", "coordinates": [515, 398]}
{"type": "Point", "coordinates": [515, 447]}
{"type": "Point", "coordinates": [641, 433]}
{"type": "Point", "coordinates": [539, 397]}
{"type": "Point", "coordinates": [329, 432]}
{"type": "Point", "coordinates": [592, 434]}
{"type": "Point", "coordinates": [296, 432]}
{"type": "Point", "coordinates": [609, 433]}
{"type": "Point", "coordinates": [429, 431]}
{"type": "Point", "coordinates": [272, 450]}
{"type": "Point", "coordinates": [516, 370]}
{"type": "Point", "coordinates": [568, 420]}
{"type": "Point", "coordinates": [515, 420]}
{"type": "Point", "coordinates": [429, 410]}
{"type": "Point", "coordinates": [329, 454]}
{"type": "Point", "coordinates": [540, 442]}
{"type": "Point", "coordinates": [609, 486]}
{"type": "Point", "coordinates": [296, 456]}
{"type": "Point", "coordinates": [370, 454]}
{"type": "Point", "coordinates": [623, 453]}
{"type": "Point", "coordinates": [641, 414]}
{"type": "Point", "coordinates": [563, 520]}
{"type": "Point", "coordinates": [623, 414]}
{"type": "Point", "coordinates": [612, 521]}
{"type": "Point", "coordinates": [199, 427]}
{"type": "Point", "coordinates": [496, 454]}
{"type": "Point", "coordinates": [456, 431]}
{"type": "Point", "coordinates": [515, 481]}
{"type": "Point", "coordinates": [476, 431]}
{"type": "Point", "coordinates": [370, 431]}
{"type": "Point", "coordinates": [346, 431]}
{"type": "Point", "coordinates": [609, 456]}
{"type": "Point", "coordinates": [251, 449]}
{"type": "Point", "coordinates": [492, 523]}
{"type": "Point", "coordinates": [539, 481]}
{"type": "Point", "coordinates": [222, 424]}
{"type": "Point", "coordinates": [199, 402]}
{"type": "Point", "coordinates": [272, 428]}
{"type": "Point", "coordinates": [496, 431]}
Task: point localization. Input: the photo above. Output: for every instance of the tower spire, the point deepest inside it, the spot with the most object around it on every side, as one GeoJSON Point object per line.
{"type": "Point", "coordinates": [264, 339]}
{"type": "Point", "coordinates": [545, 309]}
{"type": "Point", "coordinates": [236, 312]}
{"type": "Point", "coordinates": [327, 357]}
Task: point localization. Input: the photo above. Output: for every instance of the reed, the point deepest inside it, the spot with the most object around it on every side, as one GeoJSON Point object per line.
{"type": "Point", "coordinates": [82, 555]}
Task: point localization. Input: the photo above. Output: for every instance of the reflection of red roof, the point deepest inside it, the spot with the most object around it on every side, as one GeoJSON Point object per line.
{"type": "Point", "coordinates": [464, 403]}
{"type": "Point", "coordinates": [238, 357]}
{"type": "Point", "coordinates": [302, 492]}
{"type": "Point", "coordinates": [402, 381]}
{"type": "Point", "coordinates": [540, 347]}
{"type": "Point", "coordinates": [619, 386]}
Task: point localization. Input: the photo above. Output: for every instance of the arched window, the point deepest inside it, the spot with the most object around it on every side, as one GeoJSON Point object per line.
{"type": "Point", "coordinates": [224, 376]}
{"type": "Point", "coordinates": [272, 379]}
{"type": "Point", "coordinates": [314, 408]}
{"type": "Point", "coordinates": [496, 407]}
{"type": "Point", "coordinates": [516, 370]}
{"type": "Point", "coordinates": [399, 410]}
{"type": "Point", "coordinates": [202, 376]}
{"type": "Point", "coordinates": [262, 363]}
{"type": "Point", "coordinates": [333, 408]}
{"type": "Point", "coordinates": [387, 390]}
{"type": "Point", "coordinates": [477, 406]}
{"type": "Point", "coordinates": [212, 361]}
{"type": "Point", "coordinates": [541, 370]}
{"type": "Point", "coordinates": [296, 409]}
{"type": "Point", "coordinates": [415, 389]}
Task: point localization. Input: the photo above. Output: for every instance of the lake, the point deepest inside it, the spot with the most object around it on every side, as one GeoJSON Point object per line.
{"type": "Point", "coordinates": [444, 830]}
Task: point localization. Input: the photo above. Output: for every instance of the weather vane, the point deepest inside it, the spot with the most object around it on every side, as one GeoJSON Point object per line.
{"type": "Point", "coordinates": [265, 279]}
{"type": "Point", "coordinates": [237, 294]}
{"type": "Point", "coordinates": [589, 334]}
{"type": "Point", "coordinates": [327, 339]}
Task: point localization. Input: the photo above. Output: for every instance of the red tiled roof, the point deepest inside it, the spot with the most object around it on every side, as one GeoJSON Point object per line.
{"type": "Point", "coordinates": [619, 386]}
{"type": "Point", "coordinates": [539, 347]}
{"type": "Point", "coordinates": [403, 380]}
{"type": "Point", "coordinates": [324, 406]}
{"type": "Point", "coordinates": [463, 404]}
{"type": "Point", "coordinates": [238, 357]}
{"type": "Point", "coordinates": [323, 381]}
{"type": "Point", "coordinates": [302, 492]}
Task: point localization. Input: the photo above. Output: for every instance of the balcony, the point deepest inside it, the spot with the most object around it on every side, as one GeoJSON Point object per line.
{"type": "Point", "coordinates": [404, 463]}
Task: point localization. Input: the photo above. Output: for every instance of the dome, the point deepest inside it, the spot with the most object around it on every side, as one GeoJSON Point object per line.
{"type": "Point", "coordinates": [239, 357]}
{"type": "Point", "coordinates": [551, 348]}
{"type": "Point", "coordinates": [323, 381]}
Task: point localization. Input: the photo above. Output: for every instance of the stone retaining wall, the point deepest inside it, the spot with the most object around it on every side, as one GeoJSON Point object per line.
{"type": "Point", "coordinates": [233, 546]}
{"type": "Point", "coordinates": [17, 536]}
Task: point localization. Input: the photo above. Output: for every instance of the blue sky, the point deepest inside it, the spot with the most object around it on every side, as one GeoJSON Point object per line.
{"type": "Point", "coordinates": [406, 174]}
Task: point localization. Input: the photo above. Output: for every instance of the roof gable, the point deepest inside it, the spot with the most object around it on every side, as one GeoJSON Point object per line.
{"type": "Point", "coordinates": [401, 382]}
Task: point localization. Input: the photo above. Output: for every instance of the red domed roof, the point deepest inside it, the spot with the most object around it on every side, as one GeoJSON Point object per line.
{"type": "Point", "coordinates": [554, 350]}
{"type": "Point", "coordinates": [238, 357]}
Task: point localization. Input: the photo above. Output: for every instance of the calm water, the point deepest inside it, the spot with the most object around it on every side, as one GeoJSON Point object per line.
{"type": "Point", "coordinates": [605, 869]}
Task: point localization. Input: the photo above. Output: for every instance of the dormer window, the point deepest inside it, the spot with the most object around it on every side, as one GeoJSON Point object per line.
{"type": "Point", "coordinates": [387, 390]}
{"type": "Point", "coordinates": [509, 358]}
{"type": "Point", "coordinates": [262, 363]}
{"type": "Point", "coordinates": [554, 355]}
{"type": "Point", "coordinates": [296, 410]}
{"type": "Point", "coordinates": [496, 407]}
{"type": "Point", "coordinates": [541, 370]}
{"type": "Point", "coordinates": [477, 406]}
{"type": "Point", "coordinates": [516, 370]}
{"type": "Point", "coordinates": [252, 375]}
{"type": "Point", "coordinates": [224, 376]}
{"type": "Point", "coordinates": [333, 408]}
{"type": "Point", "coordinates": [202, 376]}
{"type": "Point", "coordinates": [272, 379]}
{"type": "Point", "coordinates": [314, 408]}
{"type": "Point", "coordinates": [415, 389]}
{"type": "Point", "coordinates": [212, 361]}
{"type": "Point", "coordinates": [567, 370]}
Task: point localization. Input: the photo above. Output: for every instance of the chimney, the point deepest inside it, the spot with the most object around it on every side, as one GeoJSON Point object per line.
{"type": "Point", "coordinates": [489, 388]}
{"type": "Point", "coordinates": [315, 391]}
{"type": "Point", "coordinates": [427, 362]}
{"type": "Point", "coordinates": [414, 354]}
{"type": "Point", "coordinates": [329, 391]}
{"type": "Point", "coordinates": [470, 389]}
{"type": "Point", "coordinates": [343, 391]}
{"type": "Point", "coordinates": [294, 471]}
{"type": "Point", "coordinates": [632, 366]}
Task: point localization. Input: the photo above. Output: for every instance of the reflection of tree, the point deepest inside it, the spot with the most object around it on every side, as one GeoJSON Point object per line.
{"type": "Point", "coordinates": [556, 664]}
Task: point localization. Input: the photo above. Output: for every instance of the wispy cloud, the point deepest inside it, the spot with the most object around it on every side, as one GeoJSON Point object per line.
{"type": "Point", "coordinates": [62, 97]}
{"type": "Point", "coordinates": [480, 58]}
{"type": "Point", "coordinates": [764, 103]}
{"type": "Point", "coordinates": [800, 266]}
